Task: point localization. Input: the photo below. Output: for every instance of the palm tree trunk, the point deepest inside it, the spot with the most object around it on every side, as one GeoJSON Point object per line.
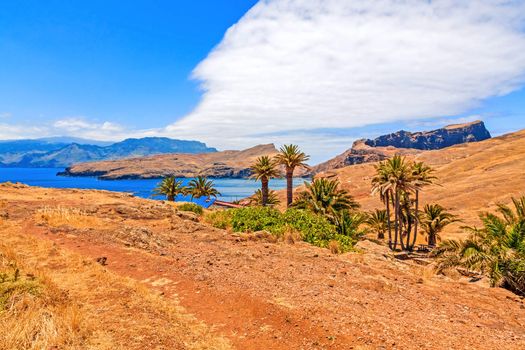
{"type": "Point", "coordinates": [417, 219]}
{"type": "Point", "coordinates": [171, 198]}
{"type": "Point", "coordinates": [289, 186]}
{"type": "Point", "coordinates": [402, 229]}
{"type": "Point", "coordinates": [389, 224]}
{"type": "Point", "coordinates": [408, 246]}
{"type": "Point", "coordinates": [264, 191]}
{"type": "Point", "coordinates": [431, 239]}
{"type": "Point", "coordinates": [396, 219]}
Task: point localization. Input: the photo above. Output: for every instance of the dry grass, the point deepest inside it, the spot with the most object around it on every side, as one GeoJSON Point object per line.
{"type": "Point", "coordinates": [291, 236]}
{"type": "Point", "coordinates": [58, 216]}
{"type": "Point", "coordinates": [425, 274]}
{"type": "Point", "coordinates": [34, 312]}
{"type": "Point", "coordinates": [61, 300]}
{"type": "Point", "coordinates": [335, 247]}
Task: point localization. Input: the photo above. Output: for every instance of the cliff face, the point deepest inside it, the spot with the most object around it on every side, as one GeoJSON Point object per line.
{"type": "Point", "coordinates": [435, 139]}
{"type": "Point", "coordinates": [234, 164]}
{"type": "Point", "coordinates": [405, 142]}
{"type": "Point", "coordinates": [360, 153]}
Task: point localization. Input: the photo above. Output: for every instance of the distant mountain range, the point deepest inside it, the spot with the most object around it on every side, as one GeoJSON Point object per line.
{"type": "Point", "coordinates": [58, 152]}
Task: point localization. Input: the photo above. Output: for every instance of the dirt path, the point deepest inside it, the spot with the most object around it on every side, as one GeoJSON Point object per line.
{"type": "Point", "coordinates": [249, 322]}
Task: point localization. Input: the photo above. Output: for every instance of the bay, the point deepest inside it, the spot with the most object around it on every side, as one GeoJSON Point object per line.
{"type": "Point", "coordinates": [230, 189]}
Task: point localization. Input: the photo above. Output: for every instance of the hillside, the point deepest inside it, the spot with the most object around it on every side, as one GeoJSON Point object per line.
{"type": "Point", "coordinates": [217, 164]}
{"type": "Point", "coordinates": [473, 177]}
{"type": "Point", "coordinates": [163, 282]}
{"type": "Point", "coordinates": [61, 152]}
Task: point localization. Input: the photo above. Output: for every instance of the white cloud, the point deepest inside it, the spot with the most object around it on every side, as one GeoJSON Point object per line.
{"type": "Point", "coordinates": [292, 65]}
{"type": "Point", "coordinates": [13, 131]}
{"type": "Point", "coordinates": [74, 126]}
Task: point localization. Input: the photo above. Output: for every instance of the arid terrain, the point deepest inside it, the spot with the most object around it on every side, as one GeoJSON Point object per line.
{"type": "Point", "coordinates": [165, 281]}
{"type": "Point", "coordinates": [215, 164]}
{"type": "Point", "coordinates": [471, 177]}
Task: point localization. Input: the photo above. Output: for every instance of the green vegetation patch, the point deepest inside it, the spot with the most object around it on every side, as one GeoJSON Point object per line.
{"type": "Point", "coordinates": [197, 209]}
{"type": "Point", "coordinates": [314, 228]}
{"type": "Point", "coordinates": [12, 285]}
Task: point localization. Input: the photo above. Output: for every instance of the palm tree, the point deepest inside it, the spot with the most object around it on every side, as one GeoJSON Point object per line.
{"type": "Point", "coordinates": [496, 250]}
{"type": "Point", "coordinates": [508, 214]}
{"type": "Point", "coordinates": [264, 169]}
{"type": "Point", "coordinates": [393, 178]}
{"type": "Point", "coordinates": [169, 187]}
{"type": "Point", "coordinates": [291, 157]}
{"type": "Point", "coordinates": [202, 187]}
{"type": "Point", "coordinates": [380, 184]}
{"type": "Point", "coordinates": [422, 175]}
{"type": "Point", "coordinates": [323, 196]}
{"type": "Point", "coordinates": [349, 224]}
{"type": "Point", "coordinates": [378, 222]}
{"type": "Point", "coordinates": [256, 198]}
{"type": "Point", "coordinates": [434, 219]}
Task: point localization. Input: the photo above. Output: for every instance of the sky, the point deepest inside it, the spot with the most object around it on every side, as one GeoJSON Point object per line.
{"type": "Point", "coordinates": [237, 73]}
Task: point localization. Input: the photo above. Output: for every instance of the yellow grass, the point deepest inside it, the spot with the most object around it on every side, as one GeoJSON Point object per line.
{"type": "Point", "coordinates": [34, 313]}
{"type": "Point", "coordinates": [334, 246]}
{"type": "Point", "coordinates": [61, 300]}
{"type": "Point", "coordinates": [58, 216]}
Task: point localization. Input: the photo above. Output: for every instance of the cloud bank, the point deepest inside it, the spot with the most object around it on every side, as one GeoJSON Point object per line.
{"type": "Point", "coordinates": [289, 68]}
{"type": "Point", "coordinates": [74, 126]}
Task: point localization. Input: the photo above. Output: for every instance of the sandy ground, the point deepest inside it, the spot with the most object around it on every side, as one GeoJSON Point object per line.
{"type": "Point", "coordinates": [263, 295]}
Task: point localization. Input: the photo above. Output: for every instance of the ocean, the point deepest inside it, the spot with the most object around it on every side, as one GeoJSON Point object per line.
{"type": "Point", "coordinates": [230, 189]}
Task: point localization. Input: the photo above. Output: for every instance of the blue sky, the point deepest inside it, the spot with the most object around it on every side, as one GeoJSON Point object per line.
{"type": "Point", "coordinates": [235, 73]}
{"type": "Point", "coordinates": [127, 62]}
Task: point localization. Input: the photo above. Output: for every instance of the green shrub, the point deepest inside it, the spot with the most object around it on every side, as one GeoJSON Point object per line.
{"type": "Point", "coordinates": [314, 229]}
{"type": "Point", "coordinates": [197, 209]}
{"type": "Point", "coordinates": [11, 285]}
{"type": "Point", "coordinates": [253, 219]}
{"type": "Point", "coordinates": [219, 218]}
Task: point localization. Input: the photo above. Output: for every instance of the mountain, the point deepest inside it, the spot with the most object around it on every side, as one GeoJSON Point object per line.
{"type": "Point", "coordinates": [57, 152]}
{"type": "Point", "coordinates": [405, 142]}
{"type": "Point", "coordinates": [234, 164]}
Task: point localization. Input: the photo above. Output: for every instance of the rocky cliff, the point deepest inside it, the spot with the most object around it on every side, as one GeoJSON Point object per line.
{"type": "Point", "coordinates": [405, 142]}
{"type": "Point", "coordinates": [234, 164]}
{"type": "Point", "coordinates": [435, 139]}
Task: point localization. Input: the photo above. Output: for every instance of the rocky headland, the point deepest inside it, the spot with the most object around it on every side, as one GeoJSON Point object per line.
{"type": "Point", "coordinates": [405, 143]}
{"type": "Point", "coordinates": [232, 164]}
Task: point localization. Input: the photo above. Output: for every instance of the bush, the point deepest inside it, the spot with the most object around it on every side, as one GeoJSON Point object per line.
{"type": "Point", "coordinates": [197, 209]}
{"type": "Point", "coordinates": [315, 229]}
{"type": "Point", "coordinates": [312, 228]}
{"type": "Point", "coordinates": [219, 218]}
{"type": "Point", "coordinates": [253, 219]}
{"type": "Point", "coordinates": [11, 285]}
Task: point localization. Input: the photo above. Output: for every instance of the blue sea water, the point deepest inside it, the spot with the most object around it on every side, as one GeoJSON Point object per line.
{"type": "Point", "coordinates": [230, 189]}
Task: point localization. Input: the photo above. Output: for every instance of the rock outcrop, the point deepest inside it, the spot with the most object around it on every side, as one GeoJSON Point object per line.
{"type": "Point", "coordinates": [436, 139]}
{"type": "Point", "coordinates": [405, 142]}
